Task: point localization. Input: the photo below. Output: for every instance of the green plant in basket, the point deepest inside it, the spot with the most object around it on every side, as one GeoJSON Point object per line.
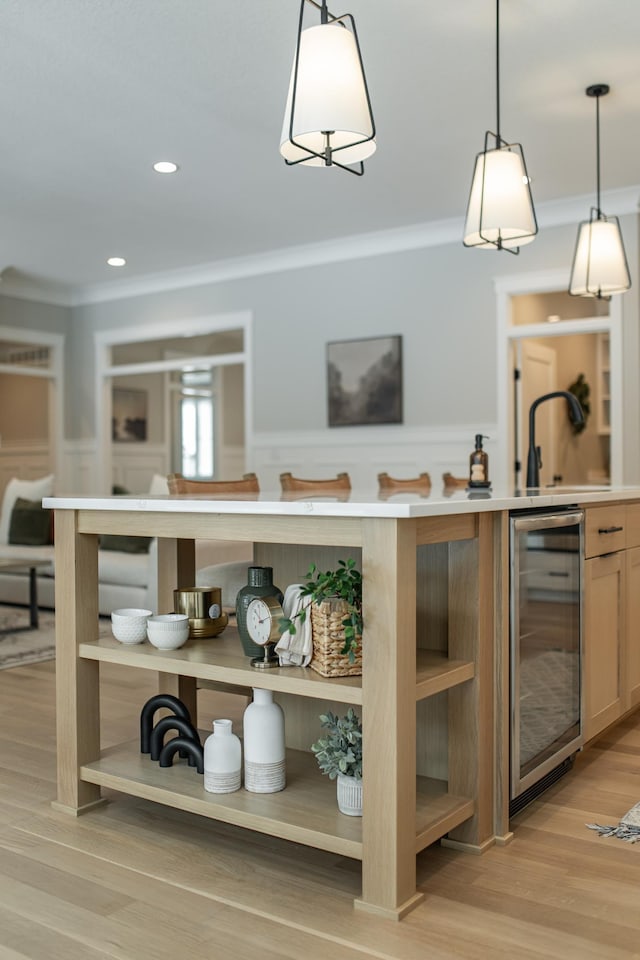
{"type": "Point", "coordinates": [340, 750]}
{"type": "Point", "coordinates": [345, 583]}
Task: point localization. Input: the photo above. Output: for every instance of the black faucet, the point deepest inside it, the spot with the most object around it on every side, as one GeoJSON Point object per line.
{"type": "Point", "coordinates": [534, 461]}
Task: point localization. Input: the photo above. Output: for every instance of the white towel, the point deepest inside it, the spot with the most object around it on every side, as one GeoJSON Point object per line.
{"type": "Point", "coordinates": [295, 650]}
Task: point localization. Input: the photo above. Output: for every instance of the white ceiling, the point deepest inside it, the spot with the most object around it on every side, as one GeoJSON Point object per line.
{"type": "Point", "coordinates": [92, 92]}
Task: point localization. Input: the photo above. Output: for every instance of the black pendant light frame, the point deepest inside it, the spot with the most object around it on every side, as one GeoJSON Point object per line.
{"type": "Point", "coordinates": [596, 90]}
{"type": "Point", "coordinates": [328, 154]}
{"type": "Point", "coordinates": [500, 144]}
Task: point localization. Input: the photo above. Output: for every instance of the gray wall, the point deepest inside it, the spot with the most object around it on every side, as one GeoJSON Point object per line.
{"type": "Point", "coordinates": [440, 299]}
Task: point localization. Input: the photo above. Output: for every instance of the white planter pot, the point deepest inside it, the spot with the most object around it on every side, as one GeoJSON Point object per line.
{"type": "Point", "coordinates": [349, 795]}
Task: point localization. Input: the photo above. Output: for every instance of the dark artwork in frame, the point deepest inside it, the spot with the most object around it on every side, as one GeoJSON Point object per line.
{"type": "Point", "coordinates": [364, 381]}
{"type": "Point", "coordinates": [129, 415]}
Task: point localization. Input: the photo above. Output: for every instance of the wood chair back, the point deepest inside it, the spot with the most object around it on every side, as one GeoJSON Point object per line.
{"type": "Point", "coordinates": [387, 485]}
{"type": "Point", "coordinates": [296, 487]}
{"type": "Point", "coordinates": [454, 483]}
{"type": "Point", "coordinates": [179, 484]}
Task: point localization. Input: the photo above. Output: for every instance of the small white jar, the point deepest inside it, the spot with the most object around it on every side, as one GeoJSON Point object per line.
{"type": "Point", "coordinates": [222, 759]}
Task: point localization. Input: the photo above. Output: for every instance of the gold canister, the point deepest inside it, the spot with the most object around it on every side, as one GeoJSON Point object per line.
{"type": "Point", "coordinates": [203, 606]}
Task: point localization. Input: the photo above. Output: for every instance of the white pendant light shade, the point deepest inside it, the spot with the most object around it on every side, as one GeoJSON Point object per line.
{"type": "Point", "coordinates": [500, 211]}
{"type": "Point", "coordinates": [599, 264]}
{"type": "Point", "coordinates": [331, 102]}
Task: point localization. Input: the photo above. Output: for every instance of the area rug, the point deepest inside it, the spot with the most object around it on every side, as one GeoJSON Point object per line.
{"type": "Point", "coordinates": [628, 829]}
{"type": "Point", "coordinates": [25, 646]}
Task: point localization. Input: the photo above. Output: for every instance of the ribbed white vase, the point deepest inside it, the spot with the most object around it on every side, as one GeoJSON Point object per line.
{"type": "Point", "coordinates": [222, 759]}
{"type": "Point", "coordinates": [264, 752]}
{"type": "Point", "coordinates": [349, 795]}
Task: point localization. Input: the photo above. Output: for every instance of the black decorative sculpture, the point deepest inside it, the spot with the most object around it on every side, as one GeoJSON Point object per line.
{"type": "Point", "coordinates": [195, 751]}
{"type": "Point", "coordinates": [184, 727]}
{"type": "Point", "coordinates": [146, 716]}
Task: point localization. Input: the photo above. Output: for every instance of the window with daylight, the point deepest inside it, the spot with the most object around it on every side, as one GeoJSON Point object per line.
{"type": "Point", "coordinates": [197, 424]}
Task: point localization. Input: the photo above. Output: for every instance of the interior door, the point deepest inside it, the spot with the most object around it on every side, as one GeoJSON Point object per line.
{"type": "Point", "coordinates": [538, 375]}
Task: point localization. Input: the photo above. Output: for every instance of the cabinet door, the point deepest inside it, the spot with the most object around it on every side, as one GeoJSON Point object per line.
{"type": "Point", "coordinates": [631, 659]}
{"type": "Point", "coordinates": [603, 632]}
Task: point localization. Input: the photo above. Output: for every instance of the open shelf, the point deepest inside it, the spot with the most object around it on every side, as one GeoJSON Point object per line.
{"type": "Point", "coordinates": [221, 659]}
{"type": "Point", "coordinates": [435, 673]}
{"type": "Point", "coordinates": [305, 811]}
{"type": "Point", "coordinates": [438, 811]}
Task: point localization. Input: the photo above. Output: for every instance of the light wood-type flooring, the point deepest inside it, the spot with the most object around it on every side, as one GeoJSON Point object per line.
{"type": "Point", "coordinates": [136, 881]}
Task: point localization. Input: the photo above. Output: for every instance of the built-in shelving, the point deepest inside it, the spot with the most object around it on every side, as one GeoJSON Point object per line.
{"type": "Point", "coordinates": [221, 659]}
{"type": "Point", "coordinates": [603, 385]}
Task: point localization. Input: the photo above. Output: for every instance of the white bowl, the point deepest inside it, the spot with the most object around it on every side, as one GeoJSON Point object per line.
{"type": "Point", "coordinates": [168, 631]}
{"type": "Point", "coordinates": [129, 625]}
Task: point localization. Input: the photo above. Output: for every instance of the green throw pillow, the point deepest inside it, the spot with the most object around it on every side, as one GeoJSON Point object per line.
{"type": "Point", "coordinates": [30, 523]}
{"type": "Point", "coordinates": [112, 541]}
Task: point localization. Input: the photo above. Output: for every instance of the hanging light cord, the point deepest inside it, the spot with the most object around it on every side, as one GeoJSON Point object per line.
{"type": "Point", "coordinates": [598, 156]}
{"type": "Point", "coordinates": [598, 90]}
{"type": "Point", "coordinates": [498, 72]}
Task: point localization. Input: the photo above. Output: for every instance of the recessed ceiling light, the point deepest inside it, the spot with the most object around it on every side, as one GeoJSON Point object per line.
{"type": "Point", "coordinates": [165, 166]}
{"type": "Point", "coordinates": [116, 261]}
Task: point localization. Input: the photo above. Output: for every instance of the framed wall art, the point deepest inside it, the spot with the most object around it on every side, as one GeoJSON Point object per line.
{"type": "Point", "coordinates": [128, 415]}
{"type": "Point", "coordinates": [364, 381]}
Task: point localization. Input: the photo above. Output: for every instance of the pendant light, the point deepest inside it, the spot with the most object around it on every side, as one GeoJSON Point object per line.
{"type": "Point", "coordinates": [500, 214]}
{"type": "Point", "coordinates": [599, 263]}
{"type": "Point", "coordinates": [328, 120]}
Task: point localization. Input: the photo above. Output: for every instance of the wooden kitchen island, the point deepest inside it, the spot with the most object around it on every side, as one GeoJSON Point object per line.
{"type": "Point", "coordinates": [432, 694]}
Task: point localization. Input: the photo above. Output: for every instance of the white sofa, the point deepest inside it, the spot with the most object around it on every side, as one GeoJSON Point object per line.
{"type": "Point", "coordinates": [124, 579]}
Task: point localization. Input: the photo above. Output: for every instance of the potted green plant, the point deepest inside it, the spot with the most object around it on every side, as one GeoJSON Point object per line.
{"type": "Point", "coordinates": [335, 601]}
{"type": "Point", "coordinates": [339, 755]}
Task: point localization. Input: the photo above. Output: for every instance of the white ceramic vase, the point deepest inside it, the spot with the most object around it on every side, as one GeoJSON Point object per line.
{"type": "Point", "coordinates": [264, 752]}
{"type": "Point", "coordinates": [349, 795]}
{"type": "Point", "coordinates": [222, 759]}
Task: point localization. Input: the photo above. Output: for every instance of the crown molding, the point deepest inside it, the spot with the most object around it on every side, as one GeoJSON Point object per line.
{"type": "Point", "coordinates": [551, 213]}
{"type": "Point", "coordinates": [40, 291]}
{"type": "Point", "coordinates": [615, 203]}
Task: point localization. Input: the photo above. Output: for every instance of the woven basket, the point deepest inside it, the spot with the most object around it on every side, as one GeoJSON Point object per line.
{"type": "Point", "coordinates": [328, 641]}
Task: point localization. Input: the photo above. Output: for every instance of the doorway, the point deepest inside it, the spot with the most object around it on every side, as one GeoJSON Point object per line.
{"type": "Point", "coordinates": [535, 313]}
{"type": "Point", "coordinates": [193, 409]}
{"type": "Point", "coordinates": [538, 368]}
{"type": "Point", "coordinates": [31, 404]}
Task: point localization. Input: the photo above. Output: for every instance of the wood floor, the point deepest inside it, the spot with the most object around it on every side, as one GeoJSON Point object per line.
{"type": "Point", "coordinates": [136, 881]}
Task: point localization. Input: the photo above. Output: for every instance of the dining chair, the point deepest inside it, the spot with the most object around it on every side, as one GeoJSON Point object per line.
{"type": "Point", "coordinates": [339, 484]}
{"type": "Point", "coordinates": [179, 484]}
{"type": "Point", "coordinates": [454, 483]}
{"type": "Point", "coordinates": [219, 573]}
{"type": "Point", "coordinates": [387, 485]}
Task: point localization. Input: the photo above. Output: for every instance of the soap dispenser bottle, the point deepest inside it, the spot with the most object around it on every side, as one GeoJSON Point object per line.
{"type": "Point", "coordinates": [479, 464]}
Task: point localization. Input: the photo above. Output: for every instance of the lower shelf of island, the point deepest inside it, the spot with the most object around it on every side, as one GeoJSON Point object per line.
{"type": "Point", "coordinates": [305, 812]}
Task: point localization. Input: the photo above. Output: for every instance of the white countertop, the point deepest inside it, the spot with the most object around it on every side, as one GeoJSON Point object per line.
{"type": "Point", "coordinates": [360, 503]}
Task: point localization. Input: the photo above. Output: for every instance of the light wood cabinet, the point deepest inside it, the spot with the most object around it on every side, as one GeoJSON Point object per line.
{"type": "Point", "coordinates": [443, 650]}
{"type": "Point", "coordinates": [611, 663]}
{"type": "Point", "coordinates": [605, 530]}
{"type": "Point", "coordinates": [603, 642]}
{"type": "Point", "coordinates": [630, 664]}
